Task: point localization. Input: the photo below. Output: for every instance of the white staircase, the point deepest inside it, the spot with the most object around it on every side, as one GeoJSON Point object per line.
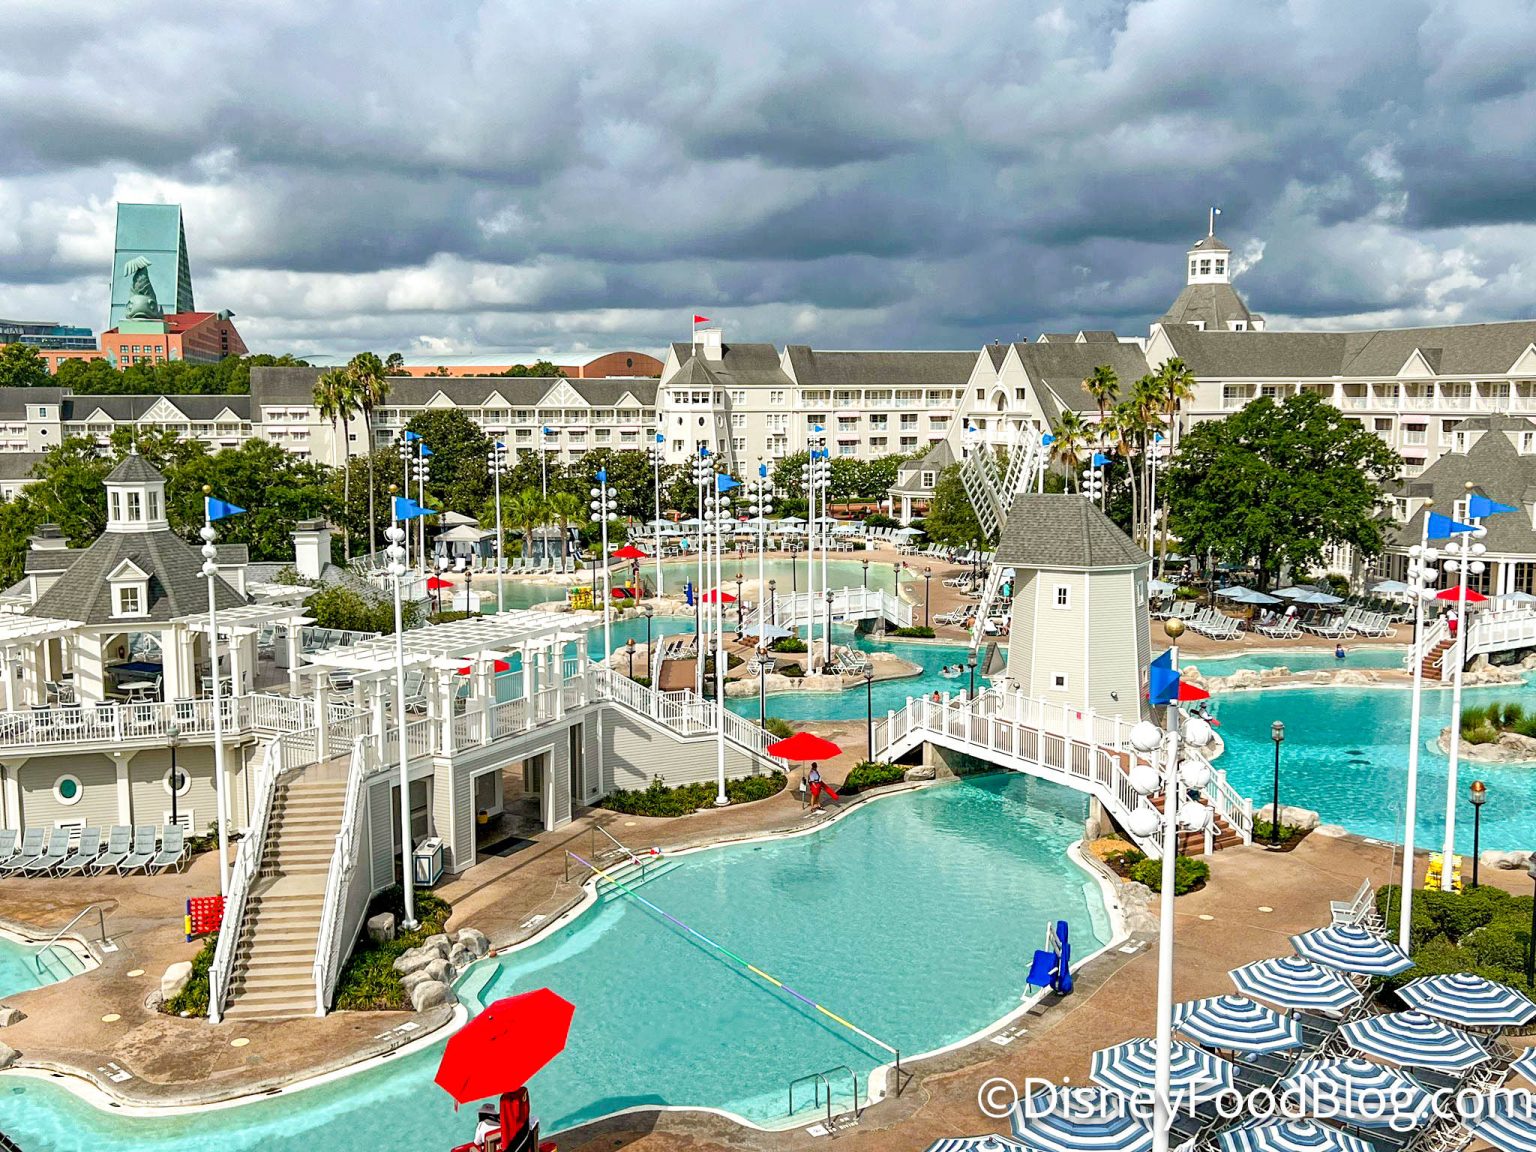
{"type": "Point", "coordinates": [272, 975]}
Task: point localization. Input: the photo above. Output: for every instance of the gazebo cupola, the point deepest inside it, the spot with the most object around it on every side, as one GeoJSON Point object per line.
{"type": "Point", "coordinates": [135, 497]}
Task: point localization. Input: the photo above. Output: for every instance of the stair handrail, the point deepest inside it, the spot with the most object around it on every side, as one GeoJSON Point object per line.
{"type": "Point", "coordinates": [246, 866]}
{"type": "Point", "coordinates": [101, 927]}
{"type": "Point", "coordinates": [331, 938]}
{"type": "Point", "coordinates": [1432, 635]}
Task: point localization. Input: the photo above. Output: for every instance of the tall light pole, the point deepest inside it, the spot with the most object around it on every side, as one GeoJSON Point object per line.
{"type": "Point", "coordinates": [544, 460]}
{"type": "Point", "coordinates": [826, 654]}
{"type": "Point", "coordinates": [216, 510]}
{"type": "Point", "coordinates": [656, 450]}
{"type": "Point", "coordinates": [1461, 563]}
{"type": "Point", "coordinates": [1277, 734]}
{"type": "Point", "coordinates": [718, 510]}
{"type": "Point", "coordinates": [603, 511]}
{"type": "Point", "coordinates": [869, 714]}
{"type": "Point", "coordinates": [423, 470]}
{"type": "Point", "coordinates": [1146, 780]}
{"type": "Point", "coordinates": [396, 534]}
{"type": "Point", "coordinates": [173, 741]}
{"type": "Point", "coordinates": [497, 461]}
{"type": "Point", "coordinates": [703, 481]}
{"type": "Point", "coordinates": [760, 503]}
{"type": "Point", "coordinates": [1479, 797]}
{"type": "Point", "coordinates": [927, 586]}
{"type": "Point", "coordinates": [407, 439]}
{"type": "Point", "coordinates": [1422, 577]}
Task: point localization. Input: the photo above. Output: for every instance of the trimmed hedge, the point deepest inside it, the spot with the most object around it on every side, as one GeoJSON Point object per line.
{"type": "Point", "coordinates": [1483, 930]}
{"type": "Point", "coordinates": [1188, 873]}
{"type": "Point", "coordinates": [873, 774]}
{"type": "Point", "coordinates": [369, 981]}
{"type": "Point", "coordinates": [787, 644]}
{"type": "Point", "coordinates": [660, 800]}
{"type": "Point", "coordinates": [779, 727]}
{"type": "Point", "coordinates": [916, 632]}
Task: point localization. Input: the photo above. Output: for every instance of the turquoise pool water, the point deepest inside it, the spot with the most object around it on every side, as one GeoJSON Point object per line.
{"type": "Point", "coordinates": [20, 971]}
{"type": "Point", "coordinates": [1366, 656]}
{"type": "Point", "coordinates": [1345, 755]}
{"type": "Point", "coordinates": [659, 1020]}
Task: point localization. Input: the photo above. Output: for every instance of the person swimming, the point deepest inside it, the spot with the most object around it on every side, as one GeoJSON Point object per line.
{"type": "Point", "coordinates": [1338, 652]}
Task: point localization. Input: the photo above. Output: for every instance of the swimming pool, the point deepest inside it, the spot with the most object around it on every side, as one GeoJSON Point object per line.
{"type": "Point", "coordinates": [661, 1022]}
{"type": "Point", "coordinates": [1365, 656]}
{"type": "Point", "coordinates": [1345, 755]}
{"type": "Point", "coordinates": [21, 969]}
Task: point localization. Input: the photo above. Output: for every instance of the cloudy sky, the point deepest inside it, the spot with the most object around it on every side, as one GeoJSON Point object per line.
{"type": "Point", "coordinates": [581, 175]}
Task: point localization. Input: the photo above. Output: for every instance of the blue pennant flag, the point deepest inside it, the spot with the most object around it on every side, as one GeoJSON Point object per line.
{"type": "Point", "coordinates": [724, 483]}
{"type": "Point", "coordinates": [602, 475]}
{"type": "Point", "coordinates": [1480, 506]}
{"type": "Point", "coordinates": [408, 509]}
{"type": "Point", "coordinates": [661, 438]}
{"type": "Point", "coordinates": [218, 509]}
{"type": "Point", "coordinates": [499, 444]}
{"type": "Point", "coordinates": [425, 452]}
{"type": "Point", "coordinates": [1443, 527]}
{"type": "Point", "coordinates": [411, 437]}
{"type": "Point", "coordinates": [703, 450]}
{"type": "Point", "coordinates": [1157, 437]}
{"type": "Point", "coordinates": [1047, 439]}
{"type": "Point", "coordinates": [762, 470]}
{"type": "Point", "coordinates": [548, 431]}
{"type": "Point", "coordinates": [688, 593]}
{"type": "Point", "coordinates": [1099, 459]}
{"type": "Point", "coordinates": [1162, 680]}
{"type": "Point", "coordinates": [817, 428]}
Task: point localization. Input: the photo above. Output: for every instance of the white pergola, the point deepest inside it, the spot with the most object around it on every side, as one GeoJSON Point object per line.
{"type": "Point", "coordinates": [21, 640]}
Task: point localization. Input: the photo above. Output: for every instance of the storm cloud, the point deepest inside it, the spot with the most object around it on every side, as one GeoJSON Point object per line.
{"type": "Point", "coordinates": [555, 178]}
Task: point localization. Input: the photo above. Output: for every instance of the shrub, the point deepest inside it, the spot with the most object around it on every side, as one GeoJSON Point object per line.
{"type": "Point", "coordinates": [369, 981]}
{"type": "Point", "coordinates": [793, 671]}
{"type": "Point", "coordinates": [874, 774]}
{"type": "Point", "coordinates": [778, 727]}
{"type": "Point", "coordinates": [659, 800]}
{"type": "Point", "coordinates": [1263, 830]}
{"type": "Point", "coordinates": [193, 999]}
{"type": "Point", "coordinates": [1482, 930]}
{"type": "Point", "coordinates": [1483, 724]}
{"type": "Point", "coordinates": [788, 644]}
{"type": "Point", "coordinates": [881, 520]}
{"type": "Point", "coordinates": [1188, 873]}
{"type": "Point", "coordinates": [915, 632]}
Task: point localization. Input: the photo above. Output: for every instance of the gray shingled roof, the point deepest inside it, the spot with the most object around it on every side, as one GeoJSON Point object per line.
{"type": "Point", "coordinates": [297, 386]}
{"type": "Point", "coordinates": [14, 401]}
{"type": "Point", "coordinates": [177, 586]}
{"type": "Point", "coordinates": [998, 353]}
{"type": "Point", "coordinates": [1210, 244]}
{"type": "Point", "coordinates": [1452, 350]}
{"type": "Point", "coordinates": [738, 363]}
{"type": "Point", "coordinates": [1097, 336]}
{"type": "Point", "coordinates": [1056, 338]}
{"type": "Point", "coordinates": [935, 460]}
{"type": "Point", "coordinates": [885, 369]}
{"type": "Point", "coordinates": [19, 465]}
{"type": "Point", "coordinates": [1064, 367]}
{"type": "Point", "coordinates": [134, 469]}
{"type": "Point", "coordinates": [130, 408]}
{"type": "Point", "coordinates": [1060, 531]}
{"type": "Point", "coordinates": [1215, 305]}
{"type": "Point", "coordinates": [1496, 469]}
{"type": "Point", "coordinates": [50, 559]}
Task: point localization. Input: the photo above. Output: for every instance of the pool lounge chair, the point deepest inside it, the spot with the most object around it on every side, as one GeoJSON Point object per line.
{"type": "Point", "coordinates": [1353, 910]}
{"type": "Point", "coordinates": [51, 856]}
{"type": "Point", "coordinates": [1333, 629]}
{"type": "Point", "coordinates": [119, 844]}
{"type": "Point", "coordinates": [143, 850]}
{"type": "Point", "coordinates": [84, 855]}
{"type": "Point", "coordinates": [1283, 629]}
{"type": "Point", "coordinates": [31, 848]}
{"type": "Point", "coordinates": [8, 839]}
{"type": "Point", "coordinates": [173, 850]}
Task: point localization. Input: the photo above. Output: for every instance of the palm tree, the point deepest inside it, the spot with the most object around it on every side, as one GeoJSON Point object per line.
{"type": "Point", "coordinates": [1071, 439]}
{"type": "Point", "coordinates": [528, 512]}
{"type": "Point", "coordinates": [1122, 429]}
{"type": "Point", "coordinates": [371, 388]}
{"type": "Point", "coordinates": [1104, 386]}
{"type": "Point", "coordinates": [337, 402]}
{"type": "Point", "coordinates": [1146, 398]}
{"type": "Point", "coordinates": [1176, 384]}
{"type": "Point", "coordinates": [566, 508]}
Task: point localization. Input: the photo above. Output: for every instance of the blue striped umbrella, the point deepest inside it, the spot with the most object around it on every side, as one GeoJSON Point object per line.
{"type": "Point", "coordinates": [988, 1143]}
{"type": "Point", "coordinates": [1236, 1023]}
{"type": "Point", "coordinates": [1359, 1092]}
{"type": "Point", "coordinates": [1080, 1120]}
{"type": "Point", "coordinates": [1292, 982]}
{"type": "Point", "coordinates": [1290, 1136]}
{"type": "Point", "coordinates": [1526, 1065]}
{"type": "Point", "coordinates": [1351, 949]}
{"type": "Point", "coordinates": [1416, 1040]}
{"type": "Point", "coordinates": [1505, 1117]}
{"type": "Point", "coordinates": [1470, 1000]}
{"type": "Point", "coordinates": [1131, 1068]}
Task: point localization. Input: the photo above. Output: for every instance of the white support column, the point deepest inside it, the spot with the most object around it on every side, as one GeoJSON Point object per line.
{"type": "Point", "coordinates": [322, 716]}
{"type": "Point", "coordinates": [124, 789]}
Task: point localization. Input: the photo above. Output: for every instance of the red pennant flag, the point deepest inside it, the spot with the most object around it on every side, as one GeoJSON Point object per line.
{"type": "Point", "coordinates": [701, 319]}
{"type": "Point", "coordinates": [1190, 692]}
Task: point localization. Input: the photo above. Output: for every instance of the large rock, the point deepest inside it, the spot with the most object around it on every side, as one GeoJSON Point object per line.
{"type": "Point", "coordinates": [1506, 860]}
{"type": "Point", "coordinates": [175, 979]}
{"type": "Point", "coordinates": [921, 772]}
{"type": "Point", "coordinates": [381, 928]}
{"type": "Point", "coordinates": [1332, 831]}
{"type": "Point", "coordinates": [441, 943]}
{"type": "Point", "coordinates": [429, 994]}
{"type": "Point", "coordinates": [441, 970]}
{"type": "Point", "coordinates": [414, 960]}
{"type": "Point", "coordinates": [8, 1056]}
{"type": "Point", "coordinates": [475, 941]}
{"type": "Point", "coordinates": [415, 978]}
{"type": "Point", "coordinates": [9, 1016]}
{"type": "Point", "coordinates": [1303, 818]}
{"type": "Point", "coordinates": [460, 957]}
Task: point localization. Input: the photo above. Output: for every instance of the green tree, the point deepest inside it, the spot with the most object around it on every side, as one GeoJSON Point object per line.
{"type": "Point", "coordinates": [528, 511]}
{"type": "Point", "coordinates": [1276, 484]}
{"type": "Point", "coordinates": [394, 365]}
{"type": "Point", "coordinates": [566, 508]}
{"type": "Point", "coordinates": [459, 475]}
{"type": "Point", "coordinates": [337, 400]}
{"type": "Point", "coordinates": [542, 369]}
{"type": "Point", "coordinates": [1174, 385]}
{"type": "Point", "coordinates": [370, 388]}
{"type": "Point", "coordinates": [345, 607]}
{"type": "Point", "coordinates": [786, 475]}
{"type": "Point", "coordinates": [1072, 439]}
{"type": "Point", "coordinates": [1103, 385]}
{"type": "Point", "coordinates": [951, 518]}
{"type": "Point", "coordinates": [230, 376]}
{"type": "Point", "coordinates": [22, 367]}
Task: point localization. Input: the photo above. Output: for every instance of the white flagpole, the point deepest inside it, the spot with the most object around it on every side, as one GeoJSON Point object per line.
{"type": "Point", "coordinates": [398, 533]}
{"type": "Point", "coordinates": [1411, 805]}
{"type": "Point", "coordinates": [656, 482]}
{"type": "Point", "coordinates": [220, 784]}
{"type": "Point", "coordinates": [1448, 848]}
{"type": "Point", "coordinates": [720, 797]}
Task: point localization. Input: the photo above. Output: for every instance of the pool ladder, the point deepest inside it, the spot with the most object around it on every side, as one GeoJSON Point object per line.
{"type": "Point", "coordinates": [819, 1080]}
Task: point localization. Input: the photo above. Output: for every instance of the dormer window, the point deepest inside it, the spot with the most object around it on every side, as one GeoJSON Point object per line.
{"type": "Point", "coordinates": [135, 506]}
{"type": "Point", "coordinates": [130, 601]}
{"type": "Point", "coordinates": [117, 506]}
{"type": "Point", "coordinates": [1192, 267]}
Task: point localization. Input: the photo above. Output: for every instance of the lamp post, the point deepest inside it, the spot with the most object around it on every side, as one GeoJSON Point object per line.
{"type": "Point", "coordinates": [866, 575]}
{"type": "Point", "coordinates": [703, 482]}
{"type": "Point", "coordinates": [469, 599]}
{"type": "Point", "coordinates": [1479, 792]}
{"type": "Point", "coordinates": [173, 741]}
{"type": "Point", "coordinates": [396, 535]}
{"type": "Point", "coordinates": [773, 607]}
{"type": "Point", "coordinates": [650, 653]}
{"type": "Point", "coordinates": [869, 713]}
{"type": "Point", "coordinates": [1464, 561]}
{"type": "Point", "coordinates": [629, 646]}
{"type": "Point", "coordinates": [927, 588]}
{"type": "Point", "coordinates": [970, 664]}
{"type": "Point", "coordinates": [655, 454]}
{"type": "Point", "coordinates": [603, 511]}
{"type": "Point", "coordinates": [423, 473]}
{"type": "Point", "coordinates": [760, 497]}
{"type": "Point", "coordinates": [739, 624]}
{"type": "Point", "coordinates": [1422, 577]}
{"type": "Point", "coordinates": [717, 511]}
{"type": "Point", "coordinates": [762, 683]}
{"type": "Point", "coordinates": [497, 462]}
{"type": "Point", "coordinates": [211, 571]}
{"type": "Point", "coordinates": [407, 438]}
{"type": "Point", "coordinates": [1277, 734]}
{"type": "Point", "coordinates": [1530, 959]}
{"type": "Point", "coordinates": [1146, 779]}
{"type": "Point", "coordinates": [826, 654]}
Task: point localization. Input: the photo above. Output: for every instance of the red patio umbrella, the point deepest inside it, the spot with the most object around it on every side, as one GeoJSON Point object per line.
{"type": "Point", "coordinates": [804, 746]}
{"type": "Point", "coordinates": [1473, 595]}
{"type": "Point", "coordinates": [498, 666]}
{"type": "Point", "coordinates": [500, 1049]}
{"type": "Point", "coordinates": [437, 584]}
{"type": "Point", "coordinates": [725, 597]}
{"type": "Point", "coordinates": [629, 552]}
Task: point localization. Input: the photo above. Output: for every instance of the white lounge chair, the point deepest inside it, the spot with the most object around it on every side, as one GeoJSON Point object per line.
{"type": "Point", "coordinates": [84, 855]}
{"type": "Point", "coordinates": [173, 850]}
{"type": "Point", "coordinates": [143, 850]}
{"type": "Point", "coordinates": [1283, 629]}
{"type": "Point", "coordinates": [8, 838]}
{"type": "Point", "coordinates": [119, 844]}
{"type": "Point", "coordinates": [31, 848]}
{"type": "Point", "coordinates": [51, 856]}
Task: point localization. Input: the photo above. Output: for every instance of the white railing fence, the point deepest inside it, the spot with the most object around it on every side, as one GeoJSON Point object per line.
{"type": "Point", "coordinates": [681, 712]}
{"type": "Point", "coordinates": [341, 913]}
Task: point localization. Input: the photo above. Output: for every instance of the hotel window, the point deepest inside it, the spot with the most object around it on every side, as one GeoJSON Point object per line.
{"type": "Point", "coordinates": [1447, 432]}
{"type": "Point", "coordinates": [908, 422]}
{"type": "Point", "coordinates": [926, 480]}
{"type": "Point", "coordinates": [1270, 391]}
{"type": "Point", "coordinates": [738, 397]}
{"type": "Point", "coordinates": [847, 447]}
{"type": "Point", "coordinates": [1191, 267]}
{"type": "Point", "coordinates": [877, 420]}
{"type": "Point", "coordinates": [1063, 596]}
{"type": "Point", "coordinates": [117, 506]}
{"type": "Point", "coordinates": [1221, 266]}
{"type": "Point", "coordinates": [776, 398]}
{"type": "Point", "coordinates": [877, 443]}
{"type": "Point", "coordinates": [739, 444]}
{"type": "Point", "coordinates": [154, 505]}
{"type": "Point", "coordinates": [847, 423]}
{"type": "Point", "coordinates": [738, 420]}
{"type": "Point", "coordinates": [1205, 267]}
{"type": "Point", "coordinates": [909, 443]}
{"type": "Point", "coordinates": [1414, 434]}
{"type": "Point", "coordinates": [135, 508]}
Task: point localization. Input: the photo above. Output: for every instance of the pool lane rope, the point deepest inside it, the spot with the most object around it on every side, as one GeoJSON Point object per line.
{"type": "Point", "coordinates": [724, 951]}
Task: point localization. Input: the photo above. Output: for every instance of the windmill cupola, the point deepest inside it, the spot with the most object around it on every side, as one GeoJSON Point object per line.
{"type": "Point", "coordinates": [135, 497]}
